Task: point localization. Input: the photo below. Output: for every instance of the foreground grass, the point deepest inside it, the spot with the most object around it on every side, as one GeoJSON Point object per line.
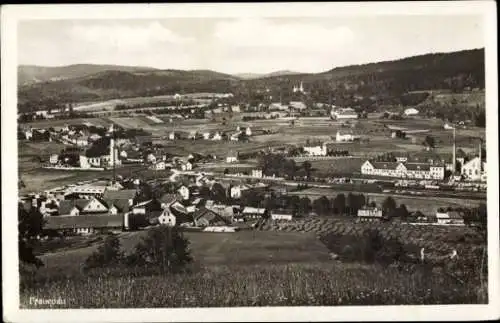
{"type": "Point", "coordinates": [271, 285]}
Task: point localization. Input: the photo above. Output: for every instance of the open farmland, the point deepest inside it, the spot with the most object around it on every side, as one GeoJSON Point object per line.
{"type": "Point", "coordinates": [426, 205]}
{"type": "Point", "coordinates": [436, 239]}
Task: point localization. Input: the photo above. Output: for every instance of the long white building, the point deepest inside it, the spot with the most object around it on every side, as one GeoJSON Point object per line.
{"type": "Point", "coordinates": [316, 150]}
{"type": "Point", "coordinates": [403, 170]}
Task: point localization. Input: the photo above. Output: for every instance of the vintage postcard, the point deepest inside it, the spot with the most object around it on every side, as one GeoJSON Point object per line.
{"type": "Point", "coordinates": [250, 162]}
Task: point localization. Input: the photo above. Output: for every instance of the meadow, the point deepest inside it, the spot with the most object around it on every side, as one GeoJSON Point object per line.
{"type": "Point", "coordinates": [252, 268]}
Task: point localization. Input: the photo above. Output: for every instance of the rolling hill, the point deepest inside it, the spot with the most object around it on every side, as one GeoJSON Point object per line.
{"type": "Point", "coordinates": [249, 76]}
{"type": "Point", "coordinates": [113, 84]}
{"type": "Point", "coordinates": [453, 71]}
{"type": "Point", "coordinates": [28, 74]}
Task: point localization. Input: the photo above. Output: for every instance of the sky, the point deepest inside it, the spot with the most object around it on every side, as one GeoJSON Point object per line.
{"type": "Point", "coordinates": [244, 45]}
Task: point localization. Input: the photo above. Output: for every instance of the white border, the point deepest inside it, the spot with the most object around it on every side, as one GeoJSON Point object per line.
{"type": "Point", "coordinates": [12, 13]}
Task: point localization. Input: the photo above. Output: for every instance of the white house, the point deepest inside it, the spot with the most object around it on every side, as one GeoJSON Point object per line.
{"type": "Point", "coordinates": [235, 136]}
{"type": "Point", "coordinates": [343, 114]}
{"type": "Point", "coordinates": [343, 137]}
{"type": "Point", "coordinates": [370, 213]}
{"type": "Point", "coordinates": [278, 106]}
{"type": "Point", "coordinates": [452, 217]}
{"type": "Point", "coordinates": [167, 218]}
{"type": "Point", "coordinates": [298, 105]}
{"type": "Point", "coordinates": [158, 165]}
{"type": "Point", "coordinates": [447, 127]}
{"type": "Point", "coordinates": [232, 157]}
{"type": "Point", "coordinates": [257, 173]}
{"type": "Point", "coordinates": [411, 112]}
{"type": "Point", "coordinates": [186, 166]}
{"type": "Point", "coordinates": [151, 158]}
{"type": "Point", "coordinates": [281, 215]}
{"type": "Point", "coordinates": [248, 131]}
{"type": "Point", "coordinates": [171, 136]}
{"type": "Point", "coordinates": [206, 135]}
{"type": "Point", "coordinates": [316, 150]}
{"type": "Point", "coordinates": [28, 134]}
{"type": "Point", "coordinates": [473, 170]}
{"type": "Point", "coordinates": [217, 136]}
{"type": "Point", "coordinates": [184, 192]}
{"type": "Point", "coordinates": [54, 158]}
{"type": "Point", "coordinates": [81, 141]}
{"type": "Point", "coordinates": [236, 191]}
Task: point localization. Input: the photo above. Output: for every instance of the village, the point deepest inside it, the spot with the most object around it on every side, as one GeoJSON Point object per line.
{"type": "Point", "coordinates": [235, 188]}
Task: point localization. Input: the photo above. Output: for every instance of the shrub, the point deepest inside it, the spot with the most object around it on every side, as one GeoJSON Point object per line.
{"type": "Point", "coordinates": [107, 254]}
{"type": "Point", "coordinates": [164, 247]}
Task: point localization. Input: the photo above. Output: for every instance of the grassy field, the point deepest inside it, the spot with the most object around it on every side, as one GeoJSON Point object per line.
{"type": "Point", "coordinates": [252, 268]}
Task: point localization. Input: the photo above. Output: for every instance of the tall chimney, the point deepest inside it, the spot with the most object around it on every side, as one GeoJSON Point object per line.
{"type": "Point", "coordinates": [454, 161]}
{"type": "Point", "coordinates": [480, 160]}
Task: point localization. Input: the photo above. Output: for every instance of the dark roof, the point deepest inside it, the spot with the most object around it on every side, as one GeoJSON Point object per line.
{"type": "Point", "coordinates": [181, 217]}
{"type": "Point", "coordinates": [282, 211]}
{"type": "Point", "coordinates": [417, 166]}
{"type": "Point", "coordinates": [84, 221]}
{"type": "Point", "coordinates": [121, 205]}
{"type": "Point", "coordinates": [119, 195]}
{"type": "Point", "coordinates": [210, 216]}
{"type": "Point", "coordinates": [65, 206]}
{"type": "Point", "coordinates": [168, 198]}
{"type": "Point", "coordinates": [384, 165]}
{"type": "Point", "coordinates": [425, 156]}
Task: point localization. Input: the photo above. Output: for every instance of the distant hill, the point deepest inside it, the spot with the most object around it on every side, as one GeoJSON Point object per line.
{"type": "Point", "coordinates": [29, 74]}
{"type": "Point", "coordinates": [249, 76]}
{"type": "Point", "coordinates": [113, 84]}
{"type": "Point", "coordinates": [454, 71]}
{"type": "Point", "coordinates": [371, 84]}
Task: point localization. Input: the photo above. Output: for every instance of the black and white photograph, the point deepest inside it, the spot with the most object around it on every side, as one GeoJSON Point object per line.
{"type": "Point", "coordinates": [227, 162]}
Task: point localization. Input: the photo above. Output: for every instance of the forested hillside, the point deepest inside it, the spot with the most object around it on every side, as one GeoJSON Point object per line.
{"type": "Point", "coordinates": [369, 85]}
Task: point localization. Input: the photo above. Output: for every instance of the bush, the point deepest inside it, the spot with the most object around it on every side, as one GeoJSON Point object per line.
{"type": "Point", "coordinates": [107, 254]}
{"type": "Point", "coordinates": [164, 247]}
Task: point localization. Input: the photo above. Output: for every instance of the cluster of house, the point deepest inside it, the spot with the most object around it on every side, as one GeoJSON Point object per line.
{"type": "Point", "coordinates": [76, 135]}
{"type": "Point", "coordinates": [212, 135]}
{"type": "Point", "coordinates": [441, 217]}
{"type": "Point", "coordinates": [48, 114]}
{"type": "Point", "coordinates": [107, 206]}
{"type": "Point", "coordinates": [34, 134]}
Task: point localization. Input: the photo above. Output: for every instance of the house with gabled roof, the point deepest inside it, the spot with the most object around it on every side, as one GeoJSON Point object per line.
{"type": "Point", "coordinates": [167, 218]}
{"type": "Point", "coordinates": [451, 217]}
{"type": "Point", "coordinates": [77, 207]}
{"type": "Point", "coordinates": [127, 195]}
{"type": "Point", "coordinates": [251, 213]}
{"type": "Point", "coordinates": [205, 217]}
{"type": "Point", "coordinates": [167, 199]}
{"type": "Point", "coordinates": [146, 207]}
{"type": "Point", "coordinates": [232, 157]}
